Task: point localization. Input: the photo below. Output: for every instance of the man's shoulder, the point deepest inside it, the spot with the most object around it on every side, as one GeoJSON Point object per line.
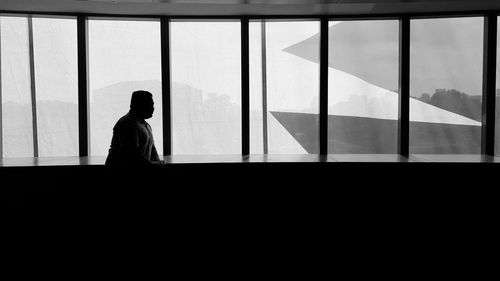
{"type": "Point", "coordinates": [126, 121]}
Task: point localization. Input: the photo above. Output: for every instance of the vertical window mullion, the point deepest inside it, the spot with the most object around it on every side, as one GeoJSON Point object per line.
{"type": "Point", "coordinates": [264, 87]}
{"type": "Point", "coordinates": [489, 85]}
{"type": "Point", "coordinates": [245, 88]}
{"type": "Point", "coordinates": [323, 87]}
{"type": "Point", "coordinates": [82, 86]}
{"type": "Point", "coordinates": [1, 103]}
{"type": "Point", "coordinates": [166, 86]}
{"type": "Point", "coordinates": [32, 85]}
{"type": "Point", "coordinates": [404, 87]}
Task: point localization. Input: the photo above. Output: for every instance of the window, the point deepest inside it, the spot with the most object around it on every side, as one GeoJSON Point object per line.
{"type": "Point", "coordinates": [17, 118]}
{"type": "Point", "coordinates": [56, 76]}
{"type": "Point", "coordinates": [497, 100]}
{"type": "Point", "coordinates": [124, 56]}
{"type": "Point", "coordinates": [39, 85]}
{"type": "Point", "coordinates": [445, 85]}
{"type": "Point", "coordinates": [284, 87]}
{"type": "Point", "coordinates": [206, 87]}
{"type": "Point", "coordinates": [363, 86]}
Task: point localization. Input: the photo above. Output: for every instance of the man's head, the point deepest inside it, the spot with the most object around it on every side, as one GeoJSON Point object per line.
{"type": "Point", "coordinates": [142, 104]}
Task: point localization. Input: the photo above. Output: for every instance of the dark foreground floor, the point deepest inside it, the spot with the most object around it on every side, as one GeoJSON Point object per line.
{"type": "Point", "coordinates": [377, 220]}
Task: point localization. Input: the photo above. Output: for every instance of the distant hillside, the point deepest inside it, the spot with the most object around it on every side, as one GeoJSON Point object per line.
{"type": "Point", "coordinates": [456, 102]}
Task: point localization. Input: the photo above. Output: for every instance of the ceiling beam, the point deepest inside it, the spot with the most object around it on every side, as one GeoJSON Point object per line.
{"type": "Point", "coordinates": [246, 7]}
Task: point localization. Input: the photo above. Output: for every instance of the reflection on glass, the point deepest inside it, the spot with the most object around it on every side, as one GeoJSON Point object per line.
{"type": "Point", "coordinates": [206, 87]}
{"type": "Point", "coordinates": [284, 87]}
{"type": "Point", "coordinates": [56, 76]}
{"type": "Point", "coordinates": [17, 121]}
{"type": "Point", "coordinates": [124, 56]}
{"type": "Point", "coordinates": [445, 85]}
{"type": "Point", "coordinates": [363, 86]}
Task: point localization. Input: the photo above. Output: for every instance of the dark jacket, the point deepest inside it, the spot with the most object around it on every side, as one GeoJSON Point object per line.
{"type": "Point", "coordinates": [132, 144]}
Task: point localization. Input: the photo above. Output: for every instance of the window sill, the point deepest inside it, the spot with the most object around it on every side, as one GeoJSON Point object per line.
{"type": "Point", "coordinates": [206, 159]}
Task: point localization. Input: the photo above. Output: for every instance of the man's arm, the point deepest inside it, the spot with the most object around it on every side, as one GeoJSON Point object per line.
{"type": "Point", "coordinates": [154, 154]}
{"type": "Point", "coordinates": [155, 158]}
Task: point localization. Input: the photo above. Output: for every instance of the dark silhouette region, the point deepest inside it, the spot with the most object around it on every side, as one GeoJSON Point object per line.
{"type": "Point", "coordinates": [132, 144]}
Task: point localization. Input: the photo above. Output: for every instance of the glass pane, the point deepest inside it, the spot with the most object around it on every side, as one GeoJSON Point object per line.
{"type": "Point", "coordinates": [497, 105]}
{"type": "Point", "coordinates": [17, 121]}
{"type": "Point", "coordinates": [445, 85]}
{"type": "Point", "coordinates": [363, 83]}
{"type": "Point", "coordinates": [56, 79]}
{"type": "Point", "coordinates": [124, 56]}
{"type": "Point", "coordinates": [206, 87]}
{"type": "Point", "coordinates": [284, 87]}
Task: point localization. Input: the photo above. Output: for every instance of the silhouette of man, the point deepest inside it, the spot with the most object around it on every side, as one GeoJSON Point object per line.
{"type": "Point", "coordinates": [132, 144]}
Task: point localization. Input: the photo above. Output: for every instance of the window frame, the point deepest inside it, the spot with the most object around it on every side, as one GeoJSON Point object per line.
{"type": "Point", "coordinates": [488, 75]}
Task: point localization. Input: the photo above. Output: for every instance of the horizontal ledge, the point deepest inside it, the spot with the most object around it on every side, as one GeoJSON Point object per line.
{"type": "Point", "coordinates": [231, 8]}
{"type": "Point", "coordinates": [256, 158]}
